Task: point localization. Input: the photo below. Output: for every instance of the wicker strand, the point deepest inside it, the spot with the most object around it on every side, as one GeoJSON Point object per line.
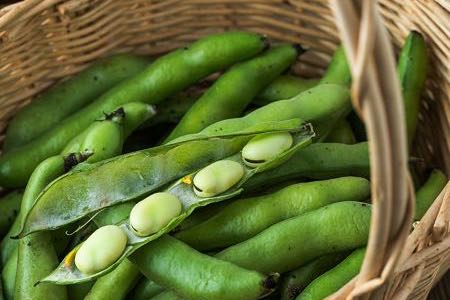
{"type": "Point", "coordinates": [375, 83]}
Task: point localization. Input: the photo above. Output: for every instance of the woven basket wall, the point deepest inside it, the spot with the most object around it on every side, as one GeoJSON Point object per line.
{"type": "Point", "coordinates": [42, 41]}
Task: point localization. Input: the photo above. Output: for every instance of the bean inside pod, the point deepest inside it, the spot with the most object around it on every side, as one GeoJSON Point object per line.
{"type": "Point", "coordinates": [101, 249]}
{"type": "Point", "coordinates": [154, 212]}
{"type": "Point", "coordinates": [264, 147]}
{"type": "Point", "coordinates": [217, 178]}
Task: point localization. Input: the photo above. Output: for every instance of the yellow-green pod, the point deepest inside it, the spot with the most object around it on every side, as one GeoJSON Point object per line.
{"type": "Point", "coordinates": [217, 178]}
{"type": "Point", "coordinates": [264, 147]}
{"type": "Point", "coordinates": [101, 249]}
{"type": "Point", "coordinates": [154, 212]}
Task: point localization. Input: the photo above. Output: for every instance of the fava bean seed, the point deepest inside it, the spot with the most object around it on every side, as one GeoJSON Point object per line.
{"type": "Point", "coordinates": [217, 178]}
{"type": "Point", "coordinates": [154, 212]}
{"type": "Point", "coordinates": [265, 146]}
{"type": "Point", "coordinates": [101, 249]}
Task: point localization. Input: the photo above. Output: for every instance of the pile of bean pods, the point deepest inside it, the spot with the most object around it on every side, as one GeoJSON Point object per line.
{"type": "Point", "coordinates": [210, 172]}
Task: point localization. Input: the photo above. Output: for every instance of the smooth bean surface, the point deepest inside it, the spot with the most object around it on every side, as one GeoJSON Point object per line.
{"type": "Point", "coordinates": [412, 71]}
{"type": "Point", "coordinates": [291, 243]}
{"type": "Point", "coordinates": [428, 192]}
{"type": "Point", "coordinates": [217, 177]}
{"type": "Point", "coordinates": [264, 147]}
{"type": "Point", "coordinates": [284, 87]}
{"type": "Point", "coordinates": [338, 71]}
{"type": "Point", "coordinates": [194, 275]}
{"type": "Point", "coordinates": [154, 212]}
{"type": "Point", "coordinates": [342, 133]}
{"type": "Point", "coordinates": [332, 280]}
{"type": "Point", "coordinates": [101, 249]}
{"type": "Point", "coordinates": [145, 290]}
{"type": "Point", "coordinates": [117, 284]}
{"type": "Point", "coordinates": [294, 282]}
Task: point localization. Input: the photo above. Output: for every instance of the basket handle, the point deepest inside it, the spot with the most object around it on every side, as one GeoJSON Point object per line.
{"type": "Point", "coordinates": [377, 99]}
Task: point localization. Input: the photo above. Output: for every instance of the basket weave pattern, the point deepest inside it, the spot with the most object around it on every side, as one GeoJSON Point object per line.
{"type": "Point", "coordinates": [42, 41]}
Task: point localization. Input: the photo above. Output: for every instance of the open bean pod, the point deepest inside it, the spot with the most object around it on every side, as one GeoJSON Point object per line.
{"type": "Point", "coordinates": [67, 272]}
{"type": "Point", "coordinates": [93, 187]}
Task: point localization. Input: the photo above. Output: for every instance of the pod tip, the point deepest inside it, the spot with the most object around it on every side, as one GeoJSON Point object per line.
{"type": "Point", "coordinates": [271, 281]}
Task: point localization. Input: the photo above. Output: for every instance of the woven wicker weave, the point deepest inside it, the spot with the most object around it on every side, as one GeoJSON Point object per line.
{"type": "Point", "coordinates": [42, 41]}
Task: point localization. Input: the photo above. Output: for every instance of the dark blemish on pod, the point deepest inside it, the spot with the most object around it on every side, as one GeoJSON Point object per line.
{"type": "Point", "coordinates": [271, 281]}
{"type": "Point", "coordinates": [265, 42]}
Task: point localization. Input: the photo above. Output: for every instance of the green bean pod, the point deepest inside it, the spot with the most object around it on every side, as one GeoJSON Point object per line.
{"type": "Point", "coordinates": [105, 138]}
{"type": "Point", "coordinates": [169, 74]}
{"type": "Point", "coordinates": [291, 243]}
{"type": "Point", "coordinates": [79, 291]}
{"type": "Point", "coordinates": [145, 290]}
{"type": "Point", "coordinates": [294, 282]}
{"type": "Point", "coordinates": [117, 284]}
{"type": "Point", "coordinates": [246, 218]}
{"type": "Point", "coordinates": [332, 280]}
{"type": "Point", "coordinates": [183, 191]}
{"type": "Point", "coordinates": [284, 87]}
{"type": "Point", "coordinates": [338, 71]}
{"type": "Point", "coordinates": [233, 91]}
{"type": "Point", "coordinates": [8, 245]}
{"type": "Point", "coordinates": [428, 192]}
{"type": "Point", "coordinates": [131, 176]}
{"type": "Point", "coordinates": [135, 113]}
{"type": "Point", "coordinates": [36, 254]}
{"type": "Point", "coordinates": [168, 295]}
{"type": "Point", "coordinates": [412, 72]}
{"type": "Point", "coordinates": [318, 161]}
{"type": "Point", "coordinates": [9, 208]}
{"type": "Point", "coordinates": [9, 276]}
{"type": "Point", "coordinates": [200, 276]}
{"type": "Point", "coordinates": [322, 105]}
{"type": "Point", "coordinates": [60, 101]}
{"type": "Point", "coordinates": [342, 133]}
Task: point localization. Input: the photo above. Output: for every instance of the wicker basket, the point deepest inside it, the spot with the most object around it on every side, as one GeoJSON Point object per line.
{"type": "Point", "coordinates": [42, 41]}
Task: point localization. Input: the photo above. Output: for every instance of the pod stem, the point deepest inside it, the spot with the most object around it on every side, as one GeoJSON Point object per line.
{"type": "Point", "coordinates": [73, 159]}
{"type": "Point", "coordinates": [116, 116]}
{"type": "Point", "coordinates": [269, 284]}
